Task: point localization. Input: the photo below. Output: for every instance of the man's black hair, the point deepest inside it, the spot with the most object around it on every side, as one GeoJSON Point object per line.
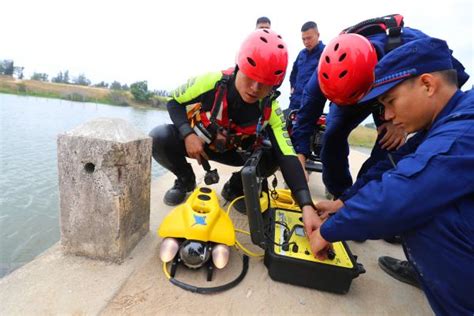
{"type": "Point", "coordinates": [263, 19]}
{"type": "Point", "coordinates": [309, 25]}
{"type": "Point", "coordinates": [450, 76]}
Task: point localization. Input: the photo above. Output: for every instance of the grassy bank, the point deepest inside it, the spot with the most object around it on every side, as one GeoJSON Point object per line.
{"type": "Point", "coordinates": [74, 92]}
{"type": "Point", "coordinates": [363, 137]}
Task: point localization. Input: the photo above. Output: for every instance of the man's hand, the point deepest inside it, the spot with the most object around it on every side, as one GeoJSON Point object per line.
{"type": "Point", "coordinates": [319, 246]}
{"type": "Point", "coordinates": [394, 136]}
{"type": "Point", "coordinates": [311, 220]}
{"type": "Point", "coordinates": [302, 160]}
{"type": "Point", "coordinates": [325, 207]}
{"type": "Point", "coordinates": [195, 147]}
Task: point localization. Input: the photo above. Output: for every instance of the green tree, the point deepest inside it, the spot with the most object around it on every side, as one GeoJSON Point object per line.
{"type": "Point", "coordinates": [162, 93]}
{"type": "Point", "coordinates": [7, 67]}
{"type": "Point", "coordinates": [61, 77]}
{"type": "Point", "coordinates": [39, 76]}
{"type": "Point", "coordinates": [58, 78]}
{"type": "Point", "coordinates": [140, 91]}
{"type": "Point", "coordinates": [19, 72]}
{"type": "Point", "coordinates": [66, 77]}
{"type": "Point", "coordinates": [115, 86]}
{"type": "Point", "coordinates": [101, 84]}
{"type": "Point", "coordinates": [81, 80]}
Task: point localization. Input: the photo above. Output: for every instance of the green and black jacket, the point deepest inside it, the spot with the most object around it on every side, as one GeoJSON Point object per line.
{"type": "Point", "coordinates": [202, 89]}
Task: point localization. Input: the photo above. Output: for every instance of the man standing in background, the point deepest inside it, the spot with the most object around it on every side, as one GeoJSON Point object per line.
{"type": "Point", "coordinates": [305, 64]}
{"type": "Point", "coordinates": [263, 23]}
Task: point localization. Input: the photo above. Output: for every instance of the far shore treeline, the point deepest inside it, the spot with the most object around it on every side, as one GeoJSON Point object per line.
{"type": "Point", "coordinates": [78, 88]}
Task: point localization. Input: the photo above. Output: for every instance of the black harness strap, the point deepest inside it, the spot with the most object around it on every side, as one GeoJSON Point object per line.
{"type": "Point", "coordinates": [391, 25]}
{"type": "Point", "coordinates": [221, 90]}
{"type": "Point", "coordinates": [394, 33]}
{"type": "Point", "coordinates": [265, 107]}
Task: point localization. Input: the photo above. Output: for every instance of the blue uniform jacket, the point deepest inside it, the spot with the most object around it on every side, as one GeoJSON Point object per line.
{"type": "Point", "coordinates": [303, 68]}
{"type": "Point", "coordinates": [313, 100]}
{"type": "Point", "coordinates": [428, 199]}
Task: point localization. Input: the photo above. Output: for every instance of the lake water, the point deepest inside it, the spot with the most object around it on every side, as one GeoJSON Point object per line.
{"type": "Point", "coordinates": [29, 197]}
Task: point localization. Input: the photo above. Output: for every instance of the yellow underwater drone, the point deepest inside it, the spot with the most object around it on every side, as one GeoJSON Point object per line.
{"type": "Point", "coordinates": [198, 221]}
{"type": "Point", "coordinates": [197, 233]}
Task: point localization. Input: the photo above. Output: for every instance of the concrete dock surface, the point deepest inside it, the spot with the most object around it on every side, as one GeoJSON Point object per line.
{"type": "Point", "coordinates": [57, 284]}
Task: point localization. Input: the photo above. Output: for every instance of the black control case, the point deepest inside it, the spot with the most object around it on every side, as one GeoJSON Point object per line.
{"type": "Point", "coordinates": [285, 266]}
{"type": "Point", "coordinates": [316, 275]}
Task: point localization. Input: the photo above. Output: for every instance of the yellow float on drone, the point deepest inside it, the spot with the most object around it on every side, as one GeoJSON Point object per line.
{"type": "Point", "coordinates": [200, 218]}
{"type": "Point", "coordinates": [196, 231]}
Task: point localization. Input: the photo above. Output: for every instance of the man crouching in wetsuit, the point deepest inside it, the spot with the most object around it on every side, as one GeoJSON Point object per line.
{"type": "Point", "coordinates": [217, 114]}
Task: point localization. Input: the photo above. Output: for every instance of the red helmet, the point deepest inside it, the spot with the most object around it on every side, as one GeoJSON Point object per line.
{"type": "Point", "coordinates": [263, 57]}
{"type": "Point", "coordinates": [346, 69]}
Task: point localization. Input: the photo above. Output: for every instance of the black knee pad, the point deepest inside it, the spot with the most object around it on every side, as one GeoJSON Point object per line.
{"type": "Point", "coordinates": [162, 133]}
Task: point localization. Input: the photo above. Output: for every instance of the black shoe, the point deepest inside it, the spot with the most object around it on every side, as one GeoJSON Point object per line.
{"type": "Point", "coordinates": [177, 193]}
{"type": "Point", "coordinates": [400, 270]}
{"type": "Point", "coordinates": [230, 194]}
{"type": "Point", "coordinates": [240, 206]}
{"type": "Point", "coordinates": [233, 189]}
{"type": "Point", "coordinates": [394, 240]}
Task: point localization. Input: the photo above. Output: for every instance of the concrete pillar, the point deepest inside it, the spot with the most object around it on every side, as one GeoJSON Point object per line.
{"type": "Point", "coordinates": [104, 187]}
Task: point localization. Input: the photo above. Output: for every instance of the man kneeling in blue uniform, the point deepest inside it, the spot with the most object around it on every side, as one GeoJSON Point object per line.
{"type": "Point", "coordinates": [428, 197]}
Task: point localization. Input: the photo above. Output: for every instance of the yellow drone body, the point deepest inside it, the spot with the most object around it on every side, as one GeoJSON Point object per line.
{"type": "Point", "coordinates": [199, 218]}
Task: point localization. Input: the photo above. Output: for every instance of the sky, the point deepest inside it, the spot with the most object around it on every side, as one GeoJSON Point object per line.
{"type": "Point", "coordinates": [166, 42]}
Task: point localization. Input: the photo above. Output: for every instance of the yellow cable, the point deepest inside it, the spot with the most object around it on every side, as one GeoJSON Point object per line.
{"type": "Point", "coordinates": [233, 202]}
{"type": "Point", "coordinates": [282, 195]}
{"type": "Point", "coordinates": [242, 231]}
{"type": "Point", "coordinates": [165, 270]}
{"type": "Point", "coordinates": [237, 243]}
{"type": "Point", "coordinates": [248, 252]}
